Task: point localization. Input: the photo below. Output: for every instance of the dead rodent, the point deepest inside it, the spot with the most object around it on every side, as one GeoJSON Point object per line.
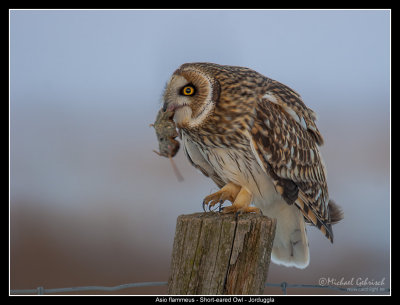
{"type": "Point", "coordinates": [166, 133]}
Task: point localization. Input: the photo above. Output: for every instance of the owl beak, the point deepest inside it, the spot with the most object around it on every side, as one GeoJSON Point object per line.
{"type": "Point", "coordinates": [164, 108]}
{"type": "Point", "coordinates": [170, 106]}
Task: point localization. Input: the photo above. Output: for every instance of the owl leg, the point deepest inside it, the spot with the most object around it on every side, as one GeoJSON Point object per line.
{"type": "Point", "coordinates": [242, 203]}
{"type": "Point", "coordinates": [228, 192]}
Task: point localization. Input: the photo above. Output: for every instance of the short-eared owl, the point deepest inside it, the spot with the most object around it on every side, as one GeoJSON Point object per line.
{"type": "Point", "coordinates": [257, 140]}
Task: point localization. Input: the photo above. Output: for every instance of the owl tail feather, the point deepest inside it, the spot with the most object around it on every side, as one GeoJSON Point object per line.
{"type": "Point", "coordinates": [335, 212]}
{"type": "Point", "coordinates": [290, 246]}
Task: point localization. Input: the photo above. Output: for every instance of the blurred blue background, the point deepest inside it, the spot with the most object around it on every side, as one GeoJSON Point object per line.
{"type": "Point", "coordinates": [91, 204]}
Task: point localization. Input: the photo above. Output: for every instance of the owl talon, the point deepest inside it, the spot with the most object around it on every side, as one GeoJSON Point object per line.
{"type": "Point", "coordinates": [220, 206]}
{"type": "Point", "coordinates": [210, 205]}
{"type": "Point", "coordinates": [204, 206]}
{"type": "Point", "coordinates": [228, 192]}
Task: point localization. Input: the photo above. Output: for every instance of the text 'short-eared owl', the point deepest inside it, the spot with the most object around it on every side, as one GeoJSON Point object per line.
{"type": "Point", "coordinates": [257, 140]}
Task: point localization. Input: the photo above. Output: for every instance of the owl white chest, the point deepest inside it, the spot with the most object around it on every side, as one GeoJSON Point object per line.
{"type": "Point", "coordinates": [240, 167]}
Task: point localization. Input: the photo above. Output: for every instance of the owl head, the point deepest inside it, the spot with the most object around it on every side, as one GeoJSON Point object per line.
{"type": "Point", "coordinates": [200, 92]}
{"type": "Point", "coordinates": [192, 93]}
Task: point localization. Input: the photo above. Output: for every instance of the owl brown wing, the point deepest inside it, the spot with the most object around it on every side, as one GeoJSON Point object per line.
{"type": "Point", "coordinates": [285, 140]}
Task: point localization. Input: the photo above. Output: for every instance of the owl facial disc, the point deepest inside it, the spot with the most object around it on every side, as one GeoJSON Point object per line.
{"type": "Point", "coordinates": [189, 93]}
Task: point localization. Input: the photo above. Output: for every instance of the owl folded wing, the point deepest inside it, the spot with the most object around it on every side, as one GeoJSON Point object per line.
{"type": "Point", "coordinates": [285, 139]}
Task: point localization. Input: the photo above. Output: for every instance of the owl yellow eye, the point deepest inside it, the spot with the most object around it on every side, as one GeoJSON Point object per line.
{"type": "Point", "coordinates": [188, 90]}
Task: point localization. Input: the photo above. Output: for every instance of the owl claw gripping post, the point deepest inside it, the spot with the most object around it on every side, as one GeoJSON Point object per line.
{"type": "Point", "coordinates": [258, 141]}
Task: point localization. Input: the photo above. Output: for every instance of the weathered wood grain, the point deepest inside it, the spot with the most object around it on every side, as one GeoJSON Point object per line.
{"type": "Point", "coordinates": [215, 253]}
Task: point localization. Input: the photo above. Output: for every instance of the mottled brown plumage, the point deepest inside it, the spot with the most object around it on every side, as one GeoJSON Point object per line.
{"type": "Point", "coordinates": [259, 143]}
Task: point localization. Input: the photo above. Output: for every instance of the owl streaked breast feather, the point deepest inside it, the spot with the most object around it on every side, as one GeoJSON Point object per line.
{"type": "Point", "coordinates": [257, 140]}
{"type": "Point", "coordinates": [197, 160]}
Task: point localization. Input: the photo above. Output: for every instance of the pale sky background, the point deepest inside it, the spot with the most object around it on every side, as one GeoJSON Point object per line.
{"type": "Point", "coordinates": [91, 204]}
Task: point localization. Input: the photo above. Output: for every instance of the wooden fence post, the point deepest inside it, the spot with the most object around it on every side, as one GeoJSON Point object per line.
{"type": "Point", "coordinates": [217, 253]}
